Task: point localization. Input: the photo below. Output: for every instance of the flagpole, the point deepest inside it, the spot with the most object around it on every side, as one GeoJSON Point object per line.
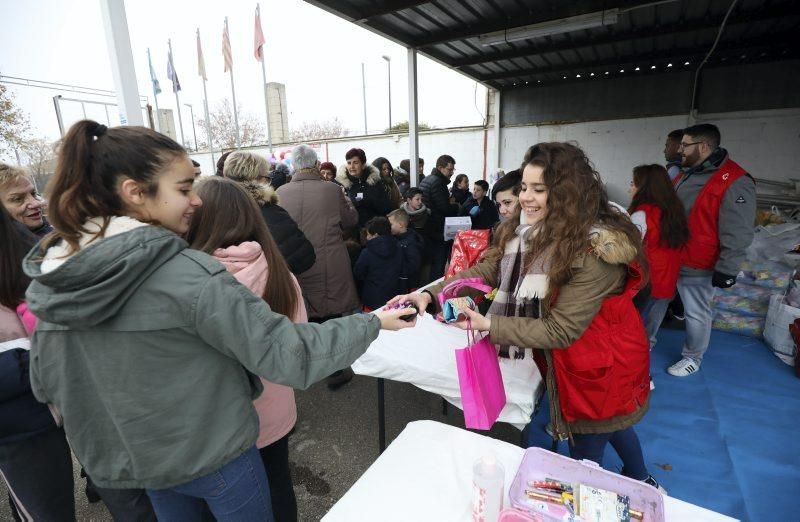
{"type": "Point", "coordinates": [264, 75]}
{"type": "Point", "coordinates": [177, 98]}
{"type": "Point", "coordinates": [205, 106]}
{"type": "Point", "coordinates": [233, 94]}
{"type": "Point", "coordinates": [155, 94]}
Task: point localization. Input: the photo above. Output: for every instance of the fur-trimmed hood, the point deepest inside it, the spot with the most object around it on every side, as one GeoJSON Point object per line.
{"type": "Point", "coordinates": [612, 246]}
{"type": "Point", "coordinates": [263, 194]}
{"type": "Point", "coordinates": [373, 176]}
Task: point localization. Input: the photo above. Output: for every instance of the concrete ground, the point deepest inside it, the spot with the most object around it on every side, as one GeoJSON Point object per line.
{"type": "Point", "coordinates": [335, 441]}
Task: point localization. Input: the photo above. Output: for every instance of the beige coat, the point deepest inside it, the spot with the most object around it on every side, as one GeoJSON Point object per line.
{"type": "Point", "coordinates": [322, 211]}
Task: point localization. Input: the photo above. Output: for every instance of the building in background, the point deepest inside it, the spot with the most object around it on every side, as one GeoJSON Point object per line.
{"type": "Point", "coordinates": [166, 121]}
{"type": "Point", "coordinates": [278, 112]}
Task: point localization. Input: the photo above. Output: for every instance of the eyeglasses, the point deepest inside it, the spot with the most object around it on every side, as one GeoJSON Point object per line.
{"type": "Point", "coordinates": [684, 145]}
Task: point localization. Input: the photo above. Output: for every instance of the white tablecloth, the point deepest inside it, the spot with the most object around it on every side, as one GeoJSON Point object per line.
{"type": "Point", "coordinates": [426, 474]}
{"type": "Point", "coordinates": [424, 356]}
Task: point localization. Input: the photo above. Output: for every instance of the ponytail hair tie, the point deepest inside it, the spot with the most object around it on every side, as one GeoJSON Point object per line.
{"type": "Point", "coordinates": [99, 130]}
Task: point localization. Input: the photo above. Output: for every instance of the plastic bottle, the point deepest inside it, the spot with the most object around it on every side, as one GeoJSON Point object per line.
{"type": "Point", "coordinates": [488, 477]}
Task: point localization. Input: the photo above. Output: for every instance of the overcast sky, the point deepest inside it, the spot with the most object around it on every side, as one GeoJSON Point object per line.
{"type": "Point", "coordinates": [317, 55]}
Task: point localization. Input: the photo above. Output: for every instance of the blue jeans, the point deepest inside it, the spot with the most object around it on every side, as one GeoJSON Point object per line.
{"type": "Point", "coordinates": [696, 294]}
{"type": "Point", "coordinates": [238, 491]}
{"type": "Point", "coordinates": [625, 443]}
{"type": "Point", "coordinates": [653, 315]}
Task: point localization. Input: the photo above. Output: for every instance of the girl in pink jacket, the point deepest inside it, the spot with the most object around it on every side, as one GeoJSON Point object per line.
{"type": "Point", "coordinates": [229, 226]}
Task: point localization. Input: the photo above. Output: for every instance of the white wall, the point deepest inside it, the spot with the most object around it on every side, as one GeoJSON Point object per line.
{"type": "Point", "coordinates": [766, 143]}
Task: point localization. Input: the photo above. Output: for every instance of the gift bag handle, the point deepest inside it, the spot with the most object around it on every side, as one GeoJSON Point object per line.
{"type": "Point", "coordinates": [452, 288]}
{"type": "Point", "coordinates": [472, 334]}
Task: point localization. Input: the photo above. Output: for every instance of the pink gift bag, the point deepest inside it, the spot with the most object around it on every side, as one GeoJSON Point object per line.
{"type": "Point", "coordinates": [483, 396]}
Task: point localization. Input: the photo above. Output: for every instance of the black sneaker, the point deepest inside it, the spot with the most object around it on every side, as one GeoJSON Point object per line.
{"type": "Point", "coordinates": [339, 379]}
{"type": "Point", "coordinates": [653, 482]}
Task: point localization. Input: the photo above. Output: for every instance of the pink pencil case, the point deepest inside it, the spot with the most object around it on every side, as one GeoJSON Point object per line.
{"type": "Point", "coordinates": [540, 464]}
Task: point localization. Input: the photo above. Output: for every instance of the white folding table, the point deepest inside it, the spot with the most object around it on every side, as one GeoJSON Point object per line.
{"type": "Point", "coordinates": [425, 357]}
{"type": "Point", "coordinates": [426, 474]}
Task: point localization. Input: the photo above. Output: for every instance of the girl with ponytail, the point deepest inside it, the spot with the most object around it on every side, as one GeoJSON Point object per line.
{"type": "Point", "coordinates": [151, 350]}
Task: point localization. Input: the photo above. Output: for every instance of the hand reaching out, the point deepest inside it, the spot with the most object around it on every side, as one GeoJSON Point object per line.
{"type": "Point", "coordinates": [477, 322]}
{"type": "Point", "coordinates": [420, 299]}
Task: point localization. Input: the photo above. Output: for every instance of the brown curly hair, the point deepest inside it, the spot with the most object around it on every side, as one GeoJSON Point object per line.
{"type": "Point", "coordinates": [576, 202]}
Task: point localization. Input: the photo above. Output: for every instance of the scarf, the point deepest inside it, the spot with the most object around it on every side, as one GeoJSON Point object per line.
{"type": "Point", "coordinates": [411, 212]}
{"type": "Point", "coordinates": [520, 295]}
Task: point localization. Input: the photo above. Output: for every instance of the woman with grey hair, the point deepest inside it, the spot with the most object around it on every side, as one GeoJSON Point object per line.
{"type": "Point", "coordinates": [252, 171]}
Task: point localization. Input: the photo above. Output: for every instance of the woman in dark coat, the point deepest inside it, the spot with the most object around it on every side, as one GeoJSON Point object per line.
{"type": "Point", "coordinates": [364, 186]}
{"type": "Point", "coordinates": [247, 168]}
{"type": "Point", "coordinates": [384, 166]}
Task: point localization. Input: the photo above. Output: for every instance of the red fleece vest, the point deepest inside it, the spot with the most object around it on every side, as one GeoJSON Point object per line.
{"type": "Point", "coordinates": [606, 373]}
{"type": "Point", "coordinates": [665, 262]}
{"type": "Point", "coordinates": [702, 250]}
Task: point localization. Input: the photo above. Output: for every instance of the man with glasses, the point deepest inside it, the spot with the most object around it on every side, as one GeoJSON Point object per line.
{"type": "Point", "coordinates": [720, 201]}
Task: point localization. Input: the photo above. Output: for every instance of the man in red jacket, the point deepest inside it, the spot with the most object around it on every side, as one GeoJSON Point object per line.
{"type": "Point", "coordinates": [720, 201]}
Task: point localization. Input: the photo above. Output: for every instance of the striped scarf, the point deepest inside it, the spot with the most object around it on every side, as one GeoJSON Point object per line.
{"type": "Point", "coordinates": [520, 296]}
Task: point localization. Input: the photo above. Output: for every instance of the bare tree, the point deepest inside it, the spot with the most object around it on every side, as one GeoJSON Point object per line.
{"type": "Point", "coordinates": [40, 155]}
{"type": "Point", "coordinates": [14, 125]}
{"type": "Point", "coordinates": [223, 128]}
{"type": "Point", "coordinates": [318, 130]}
{"type": "Point", "coordinates": [403, 127]}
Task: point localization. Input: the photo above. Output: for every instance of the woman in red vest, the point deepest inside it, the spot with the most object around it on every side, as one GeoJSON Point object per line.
{"type": "Point", "coordinates": [567, 266]}
{"type": "Point", "coordinates": [659, 214]}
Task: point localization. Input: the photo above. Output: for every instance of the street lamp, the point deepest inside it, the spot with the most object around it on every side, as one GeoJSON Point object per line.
{"type": "Point", "coordinates": [194, 131]}
{"type": "Point", "coordinates": [389, 70]}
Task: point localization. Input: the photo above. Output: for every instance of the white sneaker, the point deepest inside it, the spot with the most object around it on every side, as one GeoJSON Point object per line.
{"type": "Point", "coordinates": [684, 367]}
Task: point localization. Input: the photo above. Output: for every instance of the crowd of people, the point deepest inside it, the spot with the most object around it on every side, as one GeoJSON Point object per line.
{"type": "Point", "coordinates": [138, 282]}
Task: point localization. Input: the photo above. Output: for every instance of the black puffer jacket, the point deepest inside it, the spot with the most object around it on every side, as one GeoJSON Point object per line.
{"type": "Point", "coordinates": [297, 250]}
{"type": "Point", "coordinates": [437, 198]}
{"type": "Point", "coordinates": [460, 195]}
{"type": "Point", "coordinates": [375, 200]}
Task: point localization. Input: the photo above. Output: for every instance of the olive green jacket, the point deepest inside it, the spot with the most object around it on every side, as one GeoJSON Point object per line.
{"type": "Point", "coordinates": [150, 351]}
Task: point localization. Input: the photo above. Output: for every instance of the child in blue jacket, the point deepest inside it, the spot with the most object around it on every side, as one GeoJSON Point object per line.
{"type": "Point", "coordinates": [379, 266]}
{"type": "Point", "coordinates": [411, 245]}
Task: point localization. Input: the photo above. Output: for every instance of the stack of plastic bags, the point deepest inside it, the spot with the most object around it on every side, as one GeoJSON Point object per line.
{"type": "Point", "coordinates": [784, 310]}
{"type": "Point", "coordinates": [743, 308]}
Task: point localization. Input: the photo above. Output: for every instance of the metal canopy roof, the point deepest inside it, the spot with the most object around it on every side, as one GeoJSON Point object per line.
{"type": "Point", "coordinates": [653, 36]}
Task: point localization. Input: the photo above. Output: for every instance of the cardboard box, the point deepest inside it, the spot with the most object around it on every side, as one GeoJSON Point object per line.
{"type": "Point", "coordinates": [453, 224]}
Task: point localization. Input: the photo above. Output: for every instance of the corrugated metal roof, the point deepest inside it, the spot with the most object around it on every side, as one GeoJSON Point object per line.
{"type": "Point", "coordinates": [653, 36]}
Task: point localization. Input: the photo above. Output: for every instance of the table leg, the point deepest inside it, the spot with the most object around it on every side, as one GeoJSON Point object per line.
{"type": "Point", "coordinates": [381, 417]}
